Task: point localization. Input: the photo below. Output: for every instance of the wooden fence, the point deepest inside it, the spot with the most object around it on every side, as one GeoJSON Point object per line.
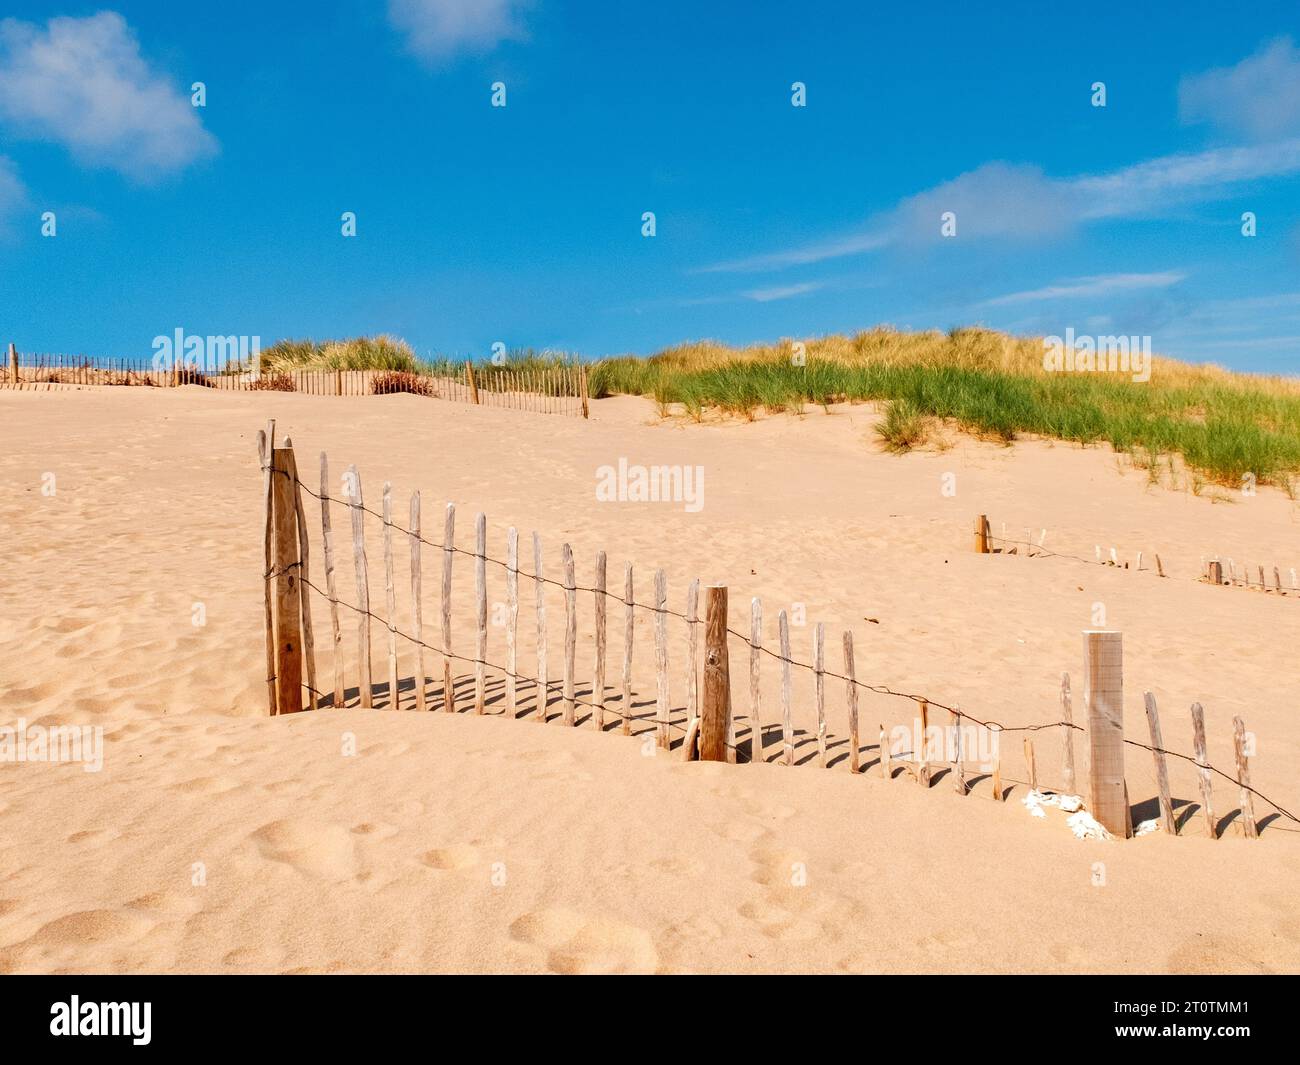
{"type": "Point", "coordinates": [556, 389]}
{"type": "Point", "coordinates": [458, 673]}
{"type": "Point", "coordinates": [1217, 571]}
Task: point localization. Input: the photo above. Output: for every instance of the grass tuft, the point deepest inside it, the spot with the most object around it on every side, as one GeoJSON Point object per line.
{"type": "Point", "coordinates": [903, 428]}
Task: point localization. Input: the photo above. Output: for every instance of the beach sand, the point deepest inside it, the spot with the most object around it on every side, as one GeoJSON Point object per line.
{"type": "Point", "coordinates": [217, 839]}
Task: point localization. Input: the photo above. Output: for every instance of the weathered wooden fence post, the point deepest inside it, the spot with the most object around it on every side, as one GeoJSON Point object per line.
{"type": "Point", "coordinates": [331, 581]}
{"type": "Point", "coordinates": [13, 362]}
{"type": "Point", "coordinates": [715, 717]}
{"type": "Point", "coordinates": [473, 384]}
{"type": "Point", "coordinates": [1240, 747]}
{"type": "Point", "coordinates": [1103, 671]}
{"type": "Point", "coordinates": [662, 692]}
{"type": "Point", "coordinates": [355, 503]}
{"type": "Point", "coordinates": [982, 534]}
{"type": "Point", "coordinates": [304, 575]}
{"type": "Point", "coordinates": [1161, 766]}
{"type": "Point", "coordinates": [1067, 735]}
{"type": "Point", "coordinates": [287, 613]}
{"type": "Point", "coordinates": [265, 443]}
{"type": "Point", "coordinates": [1203, 770]}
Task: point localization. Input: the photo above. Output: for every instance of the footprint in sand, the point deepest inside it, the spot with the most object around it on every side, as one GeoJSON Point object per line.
{"type": "Point", "coordinates": [454, 857]}
{"type": "Point", "coordinates": [578, 944]}
{"type": "Point", "coordinates": [207, 785]}
{"type": "Point", "coordinates": [168, 903]}
{"type": "Point", "coordinates": [777, 922]}
{"type": "Point", "coordinates": [92, 835]}
{"type": "Point", "coordinates": [92, 926]}
{"type": "Point", "coordinates": [317, 849]}
{"type": "Point", "coordinates": [678, 866]}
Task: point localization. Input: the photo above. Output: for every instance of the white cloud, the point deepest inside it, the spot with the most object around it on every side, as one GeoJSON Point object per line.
{"type": "Point", "coordinates": [1085, 287]}
{"type": "Point", "coordinates": [437, 29]}
{"type": "Point", "coordinates": [993, 200]}
{"type": "Point", "coordinates": [1259, 98]}
{"type": "Point", "coordinates": [82, 83]}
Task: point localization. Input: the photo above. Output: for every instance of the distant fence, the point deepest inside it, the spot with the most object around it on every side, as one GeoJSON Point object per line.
{"type": "Point", "coordinates": [558, 389]}
{"type": "Point", "coordinates": [705, 721]}
{"type": "Point", "coordinates": [1216, 571]}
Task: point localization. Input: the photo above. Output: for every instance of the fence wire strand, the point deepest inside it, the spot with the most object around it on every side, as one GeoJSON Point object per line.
{"type": "Point", "coordinates": [878, 689]}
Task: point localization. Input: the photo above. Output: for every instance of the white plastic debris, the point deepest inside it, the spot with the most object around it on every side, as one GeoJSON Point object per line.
{"type": "Point", "coordinates": [1147, 827]}
{"type": "Point", "coordinates": [1080, 822]}
{"type": "Point", "coordinates": [1034, 803]}
{"type": "Point", "coordinates": [1084, 826]}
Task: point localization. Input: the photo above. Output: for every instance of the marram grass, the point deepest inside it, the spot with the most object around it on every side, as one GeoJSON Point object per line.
{"type": "Point", "coordinates": [992, 385]}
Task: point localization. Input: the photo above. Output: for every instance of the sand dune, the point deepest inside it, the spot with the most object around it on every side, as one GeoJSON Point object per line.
{"type": "Point", "coordinates": [217, 839]}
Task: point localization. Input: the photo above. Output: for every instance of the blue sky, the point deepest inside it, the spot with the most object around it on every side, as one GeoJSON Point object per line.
{"type": "Point", "coordinates": [523, 224]}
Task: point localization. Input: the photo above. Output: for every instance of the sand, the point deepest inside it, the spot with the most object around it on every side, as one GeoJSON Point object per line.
{"type": "Point", "coordinates": [216, 839]}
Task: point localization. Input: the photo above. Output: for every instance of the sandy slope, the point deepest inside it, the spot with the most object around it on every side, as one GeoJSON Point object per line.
{"type": "Point", "coordinates": [486, 844]}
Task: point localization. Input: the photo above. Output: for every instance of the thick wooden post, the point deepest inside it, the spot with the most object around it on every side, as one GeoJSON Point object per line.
{"type": "Point", "coordinates": [582, 385]}
{"type": "Point", "coordinates": [287, 613]}
{"type": "Point", "coordinates": [13, 362]}
{"type": "Point", "coordinates": [473, 384]}
{"type": "Point", "coordinates": [982, 534]}
{"type": "Point", "coordinates": [1214, 572]}
{"type": "Point", "coordinates": [715, 717]}
{"type": "Point", "coordinates": [1103, 671]}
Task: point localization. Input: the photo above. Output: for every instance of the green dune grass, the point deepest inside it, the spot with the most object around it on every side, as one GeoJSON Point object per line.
{"type": "Point", "coordinates": [1224, 425]}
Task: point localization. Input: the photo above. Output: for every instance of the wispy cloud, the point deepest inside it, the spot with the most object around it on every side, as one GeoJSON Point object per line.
{"type": "Point", "coordinates": [437, 30]}
{"type": "Point", "coordinates": [1088, 287]}
{"type": "Point", "coordinates": [782, 292]}
{"type": "Point", "coordinates": [1149, 186]}
{"type": "Point", "coordinates": [13, 195]}
{"type": "Point", "coordinates": [1259, 98]}
{"type": "Point", "coordinates": [1002, 201]}
{"type": "Point", "coordinates": [82, 83]}
{"type": "Point", "coordinates": [815, 253]}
